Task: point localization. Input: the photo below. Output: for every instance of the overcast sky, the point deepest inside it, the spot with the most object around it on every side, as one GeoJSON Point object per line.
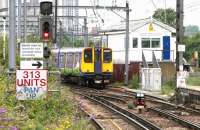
{"type": "Point", "coordinates": [140, 9]}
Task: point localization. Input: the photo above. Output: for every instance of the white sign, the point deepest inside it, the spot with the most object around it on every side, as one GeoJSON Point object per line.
{"type": "Point", "coordinates": [31, 84]}
{"type": "Point", "coordinates": [181, 76]}
{"type": "Point", "coordinates": [181, 48]}
{"type": "Point", "coordinates": [31, 50]}
{"type": "Point", "coordinates": [33, 64]}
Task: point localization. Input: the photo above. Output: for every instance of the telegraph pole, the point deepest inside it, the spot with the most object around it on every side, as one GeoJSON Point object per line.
{"type": "Point", "coordinates": [25, 20]}
{"type": "Point", "coordinates": [127, 45]}
{"type": "Point", "coordinates": [179, 32]}
{"type": "Point", "coordinates": [12, 17]}
{"type": "Point", "coordinates": [55, 31]}
{"type": "Point", "coordinates": [85, 33]}
{"type": "Point", "coordinates": [19, 19]}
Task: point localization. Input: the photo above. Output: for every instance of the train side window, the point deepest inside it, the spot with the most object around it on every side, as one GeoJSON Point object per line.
{"type": "Point", "coordinates": [107, 57]}
{"type": "Point", "coordinates": [88, 55]}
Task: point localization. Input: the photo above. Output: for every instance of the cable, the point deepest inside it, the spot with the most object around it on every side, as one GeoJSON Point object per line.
{"type": "Point", "coordinates": [154, 4]}
{"type": "Point", "coordinates": [118, 14]}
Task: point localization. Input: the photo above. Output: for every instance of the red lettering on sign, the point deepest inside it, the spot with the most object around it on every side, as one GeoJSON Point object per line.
{"type": "Point", "coordinates": [43, 82]}
{"type": "Point", "coordinates": [31, 82]}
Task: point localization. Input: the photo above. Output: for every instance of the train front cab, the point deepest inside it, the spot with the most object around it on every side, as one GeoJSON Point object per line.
{"type": "Point", "coordinates": [96, 66]}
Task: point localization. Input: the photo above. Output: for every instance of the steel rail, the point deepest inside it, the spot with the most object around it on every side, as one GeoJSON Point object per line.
{"type": "Point", "coordinates": [179, 120]}
{"type": "Point", "coordinates": [130, 117]}
{"type": "Point", "coordinates": [131, 120]}
{"type": "Point", "coordinates": [165, 102]}
{"type": "Point", "coordinates": [142, 121]}
{"type": "Point", "coordinates": [94, 122]}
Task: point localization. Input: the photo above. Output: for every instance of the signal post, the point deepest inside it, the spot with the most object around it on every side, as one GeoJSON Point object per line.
{"type": "Point", "coordinates": [32, 78]}
{"type": "Point", "coordinates": [46, 28]}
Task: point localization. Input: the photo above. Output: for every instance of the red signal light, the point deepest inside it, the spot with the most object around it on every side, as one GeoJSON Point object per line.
{"type": "Point", "coordinates": [46, 35]}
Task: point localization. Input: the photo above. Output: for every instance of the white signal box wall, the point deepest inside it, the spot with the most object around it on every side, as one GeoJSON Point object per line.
{"type": "Point", "coordinates": [31, 50]}
{"type": "Point", "coordinates": [31, 84]}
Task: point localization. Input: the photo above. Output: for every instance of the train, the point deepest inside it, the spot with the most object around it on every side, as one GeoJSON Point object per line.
{"type": "Point", "coordinates": [94, 65]}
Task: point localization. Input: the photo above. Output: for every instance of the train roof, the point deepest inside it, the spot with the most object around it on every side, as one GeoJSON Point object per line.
{"type": "Point", "coordinates": [67, 49]}
{"type": "Point", "coordinates": [70, 49]}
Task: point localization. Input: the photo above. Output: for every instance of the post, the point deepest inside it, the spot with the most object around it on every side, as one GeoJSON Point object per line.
{"type": "Point", "coordinates": [165, 12]}
{"type": "Point", "coordinates": [19, 19]}
{"type": "Point", "coordinates": [127, 45]}
{"type": "Point", "coordinates": [4, 39]}
{"type": "Point", "coordinates": [179, 32]}
{"type": "Point", "coordinates": [85, 33]}
{"type": "Point", "coordinates": [12, 17]}
{"type": "Point", "coordinates": [55, 31]}
{"type": "Point", "coordinates": [25, 12]}
{"type": "Point", "coordinates": [59, 45]}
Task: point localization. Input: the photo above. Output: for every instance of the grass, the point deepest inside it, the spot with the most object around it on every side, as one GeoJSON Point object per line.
{"type": "Point", "coordinates": [82, 125]}
{"type": "Point", "coordinates": [54, 113]}
{"type": "Point", "coordinates": [168, 88]}
{"type": "Point", "coordinates": [118, 84]}
{"type": "Point", "coordinates": [194, 81]}
{"type": "Point", "coordinates": [134, 82]}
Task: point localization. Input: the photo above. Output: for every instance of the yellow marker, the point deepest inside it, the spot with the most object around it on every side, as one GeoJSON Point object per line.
{"type": "Point", "coordinates": [115, 124]}
{"type": "Point", "coordinates": [150, 28]}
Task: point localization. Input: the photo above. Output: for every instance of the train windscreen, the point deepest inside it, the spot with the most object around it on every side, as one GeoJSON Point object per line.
{"type": "Point", "coordinates": [107, 57]}
{"type": "Point", "coordinates": [88, 55]}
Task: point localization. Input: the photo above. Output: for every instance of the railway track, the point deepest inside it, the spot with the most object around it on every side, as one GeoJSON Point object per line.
{"type": "Point", "coordinates": [186, 123]}
{"type": "Point", "coordinates": [133, 119]}
{"type": "Point", "coordinates": [158, 100]}
{"type": "Point", "coordinates": [93, 121]}
{"type": "Point", "coordinates": [166, 109]}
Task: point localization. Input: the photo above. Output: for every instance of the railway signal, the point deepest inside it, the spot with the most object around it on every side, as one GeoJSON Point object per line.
{"type": "Point", "coordinates": [46, 25]}
{"type": "Point", "coordinates": [46, 52]}
{"type": "Point", "coordinates": [46, 8]}
{"type": "Point", "coordinates": [46, 21]}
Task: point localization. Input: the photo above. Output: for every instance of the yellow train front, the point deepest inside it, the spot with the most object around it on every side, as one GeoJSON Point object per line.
{"type": "Point", "coordinates": [96, 66]}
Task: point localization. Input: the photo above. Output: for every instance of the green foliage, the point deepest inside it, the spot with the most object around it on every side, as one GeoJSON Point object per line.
{"type": "Point", "coordinates": [33, 38]}
{"type": "Point", "coordinates": [118, 84]}
{"type": "Point", "coordinates": [36, 114]}
{"type": "Point", "coordinates": [168, 88]}
{"type": "Point", "coordinates": [131, 106]}
{"type": "Point", "coordinates": [91, 43]}
{"type": "Point", "coordinates": [192, 44]}
{"type": "Point", "coordinates": [134, 82]}
{"type": "Point", "coordinates": [82, 125]}
{"type": "Point", "coordinates": [159, 14]}
{"type": "Point", "coordinates": [2, 62]}
{"type": "Point", "coordinates": [194, 81]}
{"type": "Point", "coordinates": [191, 30]}
{"type": "Point", "coordinates": [70, 71]}
{"type": "Point", "coordinates": [69, 42]}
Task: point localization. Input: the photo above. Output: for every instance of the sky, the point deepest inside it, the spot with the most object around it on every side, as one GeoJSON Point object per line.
{"type": "Point", "coordinates": [140, 9]}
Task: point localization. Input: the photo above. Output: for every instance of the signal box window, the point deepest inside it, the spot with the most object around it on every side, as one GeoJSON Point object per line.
{"type": "Point", "coordinates": [145, 42]}
{"type": "Point", "coordinates": [155, 42]}
{"type": "Point", "coordinates": [107, 57]}
{"type": "Point", "coordinates": [135, 43]}
{"type": "Point", "coordinates": [88, 55]}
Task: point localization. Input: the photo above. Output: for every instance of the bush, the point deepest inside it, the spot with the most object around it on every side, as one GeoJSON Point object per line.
{"type": "Point", "coordinates": [168, 88]}
{"type": "Point", "coordinates": [194, 81]}
{"type": "Point", "coordinates": [134, 82]}
{"type": "Point", "coordinates": [37, 114]}
{"type": "Point", "coordinates": [70, 72]}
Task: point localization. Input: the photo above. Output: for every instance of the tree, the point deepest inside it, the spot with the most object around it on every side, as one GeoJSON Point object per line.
{"type": "Point", "coordinates": [191, 30]}
{"type": "Point", "coordinates": [159, 14]}
{"type": "Point", "coordinates": [192, 44]}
